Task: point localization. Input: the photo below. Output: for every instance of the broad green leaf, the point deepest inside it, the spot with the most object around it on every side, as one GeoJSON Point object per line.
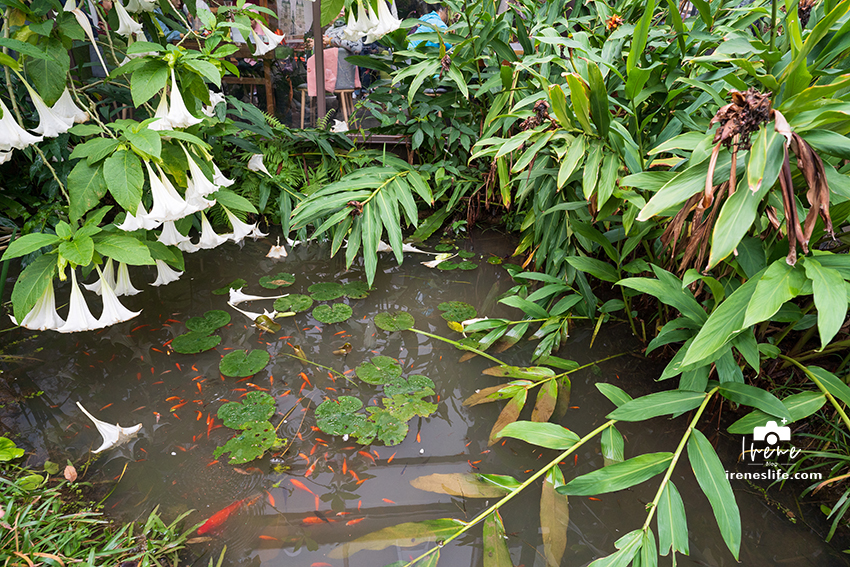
{"type": "Point", "coordinates": [617, 396]}
{"type": "Point", "coordinates": [256, 406]}
{"type": "Point", "coordinates": [326, 291]}
{"type": "Point", "coordinates": [672, 522]}
{"type": "Point", "coordinates": [124, 179]}
{"type": "Point", "coordinates": [336, 313]}
{"type": "Point", "coordinates": [832, 383]}
{"type": "Point", "coordinates": [596, 268]}
{"type": "Point", "coordinates": [599, 104]}
{"type": "Point", "coordinates": [293, 302]}
{"type": "Point", "coordinates": [510, 413]}
{"type": "Point", "coordinates": [549, 435]}
{"type": "Point", "coordinates": [32, 283]}
{"type": "Point", "coordinates": [628, 546]}
{"type": "Point", "coordinates": [612, 446]}
{"type": "Point", "coordinates": [78, 251]}
{"type": "Point", "coordinates": [648, 550]}
{"type": "Point", "coordinates": [590, 174]}
{"type": "Point", "coordinates": [409, 534]}
{"type": "Point", "coordinates": [148, 80]}
{"type": "Point", "coordinates": [659, 403]}
{"type": "Point", "coordinates": [205, 69]}
{"type": "Point", "coordinates": [86, 187]}
{"type": "Point", "coordinates": [528, 307]}
{"type": "Point", "coordinates": [241, 363]}
{"type": "Point", "coordinates": [281, 279]}
{"type": "Point", "coordinates": [554, 518]}
{"type": "Point", "coordinates": [211, 321]}
{"type": "Point", "coordinates": [754, 397]}
{"type": "Point", "coordinates": [380, 370]}
{"type": "Point", "coordinates": [233, 201]}
{"type": "Point", "coordinates": [457, 311]}
{"type": "Point", "coordinates": [575, 156]}
{"type": "Point", "coordinates": [9, 451]}
{"type": "Point", "coordinates": [618, 476]}
{"type": "Point", "coordinates": [255, 439]}
{"type": "Point", "coordinates": [581, 101]}
{"type": "Point", "coordinates": [711, 476]}
{"type": "Point", "coordinates": [830, 298]}
{"type": "Point", "coordinates": [194, 342]}
{"type": "Point", "coordinates": [639, 37]}
{"type": "Point", "coordinates": [398, 321]}
{"type": "Point", "coordinates": [559, 105]}
{"type": "Point", "coordinates": [607, 177]}
{"type": "Point", "coordinates": [800, 406]}
{"type": "Point", "coordinates": [146, 141]}
{"type": "Point", "coordinates": [668, 289]}
{"type": "Point", "coordinates": [29, 243]}
{"type": "Point", "coordinates": [95, 149]}
{"type": "Point", "coordinates": [531, 372]}
{"type": "Point", "coordinates": [466, 485]}
{"type": "Point", "coordinates": [123, 248]}
{"type": "Point", "coordinates": [780, 283]}
{"type": "Point", "coordinates": [496, 552]}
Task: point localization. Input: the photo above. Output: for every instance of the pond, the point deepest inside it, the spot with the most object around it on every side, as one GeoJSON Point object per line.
{"type": "Point", "coordinates": [306, 504]}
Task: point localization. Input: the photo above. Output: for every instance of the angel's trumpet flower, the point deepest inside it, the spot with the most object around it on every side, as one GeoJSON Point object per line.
{"type": "Point", "coordinates": [79, 316]}
{"type": "Point", "coordinates": [164, 274]}
{"type": "Point", "coordinates": [43, 315]}
{"type": "Point", "coordinates": [113, 435]}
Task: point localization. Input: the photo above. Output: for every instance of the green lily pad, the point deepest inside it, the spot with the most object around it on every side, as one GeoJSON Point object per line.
{"type": "Point", "coordinates": [336, 313]}
{"type": "Point", "coordinates": [391, 430]}
{"type": "Point", "coordinates": [257, 406]}
{"type": "Point", "coordinates": [255, 439]}
{"type": "Point", "coordinates": [467, 265]}
{"type": "Point", "coordinates": [415, 385]}
{"type": "Point", "coordinates": [356, 290]}
{"type": "Point", "coordinates": [494, 260]}
{"type": "Point", "coordinates": [457, 311]}
{"type": "Point", "coordinates": [381, 370]}
{"type": "Point", "coordinates": [240, 363]}
{"type": "Point", "coordinates": [398, 321]}
{"type": "Point", "coordinates": [337, 417]}
{"type": "Point", "coordinates": [8, 450]}
{"type": "Point", "coordinates": [466, 254]}
{"type": "Point", "coordinates": [444, 247]}
{"type": "Point", "coordinates": [405, 407]}
{"type": "Point", "coordinates": [212, 320]}
{"type": "Point", "coordinates": [326, 291]}
{"type": "Point", "coordinates": [293, 302]}
{"type": "Point", "coordinates": [282, 279]}
{"type": "Point", "coordinates": [235, 284]}
{"type": "Point", "coordinates": [194, 342]}
{"type": "Point", "coordinates": [447, 265]}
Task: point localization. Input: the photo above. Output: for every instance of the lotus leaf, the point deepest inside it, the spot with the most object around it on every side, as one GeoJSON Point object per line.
{"type": "Point", "coordinates": [405, 407]}
{"type": "Point", "coordinates": [194, 342]}
{"type": "Point", "coordinates": [467, 265]}
{"type": "Point", "coordinates": [391, 429]}
{"type": "Point", "coordinates": [398, 321]}
{"type": "Point", "coordinates": [444, 247]}
{"type": "Point", "coordinates": [381, 370]}
{"type": "Point", "coordinates": [356, 290]}
{"type": "Point", "coordinates": [235, 284]}
{"type": "Point", "coordinates": [293, 302]}
{"type": "Point", "coordinates": [466, 254]}
{"type": "Point", "coordinates": [447, 265]}
{"type": "Point", "coordinates": [457, 311]}
{"type": "Point", "coordinates": [257, 406]}
{"type": "Point", "coordinates": [282, 279]}
{"type": "Point", "coordinates": [212, 320]}
{"type": "Point", "coordinates": [338, 418]}
{"type": "Point", "coordinates": [326, 291]}
{"type": "Point", "coordinates": [494, 260]}
{"type": "Point", "coordinates": [336, 313]}
{"type": "Point", "coordinates": [255, 439]}
{"type": "Point", "coordinates": [415, 385]}
{"type": "Point", "coordinates": [240, 363]}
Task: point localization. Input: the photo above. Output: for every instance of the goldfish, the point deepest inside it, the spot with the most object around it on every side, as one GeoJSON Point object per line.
{"type": "Point", "coordinates": [216, 520]}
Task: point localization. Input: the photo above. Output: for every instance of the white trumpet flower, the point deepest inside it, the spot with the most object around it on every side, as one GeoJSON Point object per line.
{"type": "Point", "coordinates": [164, 274]}
{"type": "Point", "coordinates": [203, 186]}
{"type": "Point", "coordinates": [374, 33]}
{"type": "Point", "coordinates": [263, 46]}
{"type": "Point", "coordinates": [387, 22]}
{"type": "Point", "coordinates": [141, 5]}
{"type": "Point", "coordinates": [188, 247]}
{"type": "Point", "coordinates": [79, 316]}
{"type": "Point", "coordinates": [83, 20]}
{"type": "Point", "coordinates": [215, 100]}
{"type": "Point", "coordinates": [127, 26]}
{"type": "Point", "coordinates": [43, 315]}
{"type": "Point", "coordinates": [438, 260]}
{"type": "Point", "coordinates": [405, 247]}
{"type": "Point", "coordinates": [5, 156]}
{"type": "Point", "coordinates": [351, 31]}
{"type": "Point", "coordinates": [170, 236]}
{"type": "Point", "coordinates": [123, 285]}
{"type": "Point", "coordinates": [241, 229]}
{"type": "Point", "coordinates": [254, 316]}
{"type": "Point", "coordinates": [209, 238]}
{"type": "Point", "coordinates": [363, 25]}
{"type": "Point", "coordinates": [50, 124]}
{"type": "Point", "coordinates": [167, 203]}
{"type": "Point", "coordinates": [113, 435]}
{"type": "Point", "coordinates": [237, 297]}
{"type": "Point", "coordinates": [12, 136]}
{"type": "Point", "coordinates": [178, 114]}
{"type": "Point", "coordinates": [219, 179]}
{"type": "Point", "coordinates": [139, 220]}
{"type": "Point", "coordinates": [277, 251]}
{"type": "Point", "coordinates": [194, 200]}
{"type": "Point", "coordinates": [108, 276]}
{"type": "Point", "coordinates": [113, 311]}
{"type": "Point", "coordinates": [162, 114]}
{"type": "Point", "coordinates": [65, 107]}
{"type": "Point", "coordinates": [256, 164]}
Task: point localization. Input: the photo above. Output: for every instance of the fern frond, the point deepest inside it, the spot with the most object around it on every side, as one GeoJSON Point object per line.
{"type": "Point", "coordinates": [273, 121]}
{"type": "Point", "coordinates": [323, 123]}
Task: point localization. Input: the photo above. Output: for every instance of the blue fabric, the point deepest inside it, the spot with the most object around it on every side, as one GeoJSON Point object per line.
{"type": "Point", "coordinates": [170, 35]}
{"type": "Point", "coordinates": [434, 19]}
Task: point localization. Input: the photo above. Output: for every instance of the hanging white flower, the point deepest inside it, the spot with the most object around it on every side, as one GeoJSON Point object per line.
{"type": "Point", "coordinates": [339, 126]}
{"type": "Point", "coordinates": [219, 179]}
{"type": "Point", "coordinates": [5, 156]}
{"type": "Point", "coordinates": [167, 203]}
{"type": "Point", "coordinates": [163, 123]}
{"type": "Point", "coordinates": [277, 251]}
{"type": "Point", "coordinates": [170, 236]}
{"type": "Point", "coordinates": [188, 247]}
{"type": "Point", "coordinates": [65, 107]}
{"type": "Point", "coordinates": [194, 200]}
{"type": "Point", "coordinates": [123, 285]}
{"type": "Point", "coordinates": [178, 114]}
{"type": "Point", "coordinates": [113, 435]}
{"type": "Point", "coordinates": [127, 26]}
{"type": "Point", "coordinates": [164, 274]}
{"type": "Point", "coordinates": [374, 32]}
{"type": "Point", "coordinates": [43, 315]}
{"type": "Point", "coordinates": [113, 311]}
{"type": "Point", "coordinates": [50, 124]}
{"type": "Point", "coordinates": [107, 275]}
{"type": "Point", "coordinates": [351, 31]}
{"type": "Point", "coordinates": [241, 229]}
{"type": "Point", "coordinates": [209, 238]}
{"type": "Point", "coordinates": [141, 5]}
{"type": "Point", "coordinates": [83, 20]}
{"type": "Point", "coordinates": [215, 100]}
{"type": "Point", "coordinates": [237, 297]}
{"type": "Point", "coordinates": [12, 136]}
{"type": "Point", "coordinates": [387, 22]}
{"type": "Point", "coordinates": [203, 186]}
{"type": "Point", "coordinates": [363, 25]}
{"type": "Point", "coordinates": [256, 164]}
{"type": "Point", "coordinates": [79, 316]}
{"type": "Point", "coordinates": [261, 45]}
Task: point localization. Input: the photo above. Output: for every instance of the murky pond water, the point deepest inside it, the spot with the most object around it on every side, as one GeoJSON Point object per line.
{"type": "Point", "coordinates": [304, 507]}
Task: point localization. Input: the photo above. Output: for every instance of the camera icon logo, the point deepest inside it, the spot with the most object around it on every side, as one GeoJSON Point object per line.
{"type": "Point", "coordinates": [772, 433]}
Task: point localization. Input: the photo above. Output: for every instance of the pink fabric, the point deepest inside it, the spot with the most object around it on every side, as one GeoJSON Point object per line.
{"type": "Point", "coordinates": [331, 63]}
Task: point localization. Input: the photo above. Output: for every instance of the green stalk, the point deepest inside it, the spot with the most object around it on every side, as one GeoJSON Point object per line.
{"type": "Point", "coordinates": [328, 368]}
{"type": "Point", "coordinates": [654, 504]}
{"type": "Point", "coordinates": [820, 385]}
{"type": "Point", "coordinates": [516, 491]}
{"type": "Point", "coordinates": [460, 346]}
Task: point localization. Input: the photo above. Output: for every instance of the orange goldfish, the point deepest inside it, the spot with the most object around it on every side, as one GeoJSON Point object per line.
{"type": "Point", "coordinates": [216, 520]}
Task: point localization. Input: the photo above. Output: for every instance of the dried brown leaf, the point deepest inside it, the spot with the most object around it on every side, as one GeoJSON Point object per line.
{"type": "Point", "coordinates": [70, 473]}
{"type": "Point", "coordinates": [547, 398]}
{"type": "Point", "coordinates": [509, 415]}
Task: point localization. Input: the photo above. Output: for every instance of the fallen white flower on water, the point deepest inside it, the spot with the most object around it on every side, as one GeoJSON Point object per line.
{"type": "Point", "coordinates": [277, 251]}
{"type": "Point", "coordinates": [113, 435]}
{"type": "Point", "coordinates": [65, 107]}
{"type": "Point", "coordinates": [170, 236]}
{"type": "Point", "coordinates": [107, 275]}
{"type": "Point", "coordinates": [256, 164]}
{"type": "Point", "coordinates": [438, 260]}
{"type": "Point", "coordinates": [79, 316]}
{"type": "Point", "coordinates": [178, 114]}
{"type": "Point", "coordinates": [43, 315]}
{"type": "Point", "coordinates": [164, 274]}
{"type": "Point", "coordinates": [254, 316]}
{"type": "Point", "coordinates": [123, 285]}
{"type": "Point", "coordinates": [405, 247]}
{"type": "Point", "coordinates": [113, 311]}
{"type": "Point", "coordinates": [237, 297]}
{"type": "Point", "coordinates": [127, 26]}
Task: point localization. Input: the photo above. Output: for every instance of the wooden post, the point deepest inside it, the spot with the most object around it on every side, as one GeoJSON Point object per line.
{"type": "Point", "coordinates": [319, 52]}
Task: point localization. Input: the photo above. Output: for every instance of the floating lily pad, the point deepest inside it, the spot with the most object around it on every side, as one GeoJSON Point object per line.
{"type": "Point", "coordinates": [415, 385]}
{"type": "Point", "coordinates": [466, 254]}
{"type": "Point", "coordinates": [235, 284]}
{"type": "Point", "coordinates": [326, 291]}
{"type": "Point", "coordinates": [467, 265]}
{"type": "Point", "coordinates": [381, 370]}
{"type": "Point", "coordinates": [336, 313]}
{"type": "Point", "coordinates": [391, 429]}
{"type": "Point", "coordinates": [405, 408]}
{"type": "Point", "coordinates": [212, 320]}
{"type": "Point", "coordinates": [195, 342]}
{"type": "Point", "coordinates": [457, 311]}
{"type": "Point", "coordinates": [398, 321]}
{"type": "Point", "coordinates": [282, 279]}
{"type": "Point", "coordinates": [495, 260]}
{"type": "Point", "coordinates": [257, 406]}
{"type": "Point", "coordinates": [444, 247]}
{"type": "Point", "coordinates": [447, 265]}
{"type": "Point", "coordinates": [293, 302]}
{"type": "Point", "coordinates": [255, 439]}
{"type": "Point", "coordinates": [240, 363]}
{"type": "Point", "coordinates": [338, 417]}
{"type": "Point", "coordinates": [356, 290]}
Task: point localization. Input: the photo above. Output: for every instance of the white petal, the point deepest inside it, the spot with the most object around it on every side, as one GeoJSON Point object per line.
{"type": "Point", "coordinates": [209, 238]}
{"type": "Point", "coordinates": [65, 107]}
{"type": "Point", "coordinates": [108, 274]}
{"type": "Point", "coordinates": [113, 311]}
{"type": "Point", "coordinates": [43, 315]}
{"type": "Point", "coordinates": [162, 114]}
{"type": "Point", "coordinates": [113, 435]}
{"type": "Point", "coordinates": [219, 178]}
{"type": "Point", "coordinates": [410, 249]}
{"type": "Point", "coordinates": [50, 124]}
{"type": "Point", "coordinates": [127, 26]}
{"type": "Point", "coordinates": [240, 229]}
{"type": "Point", "coordinates": [132, 222]}
{"type": "Point", "coordinates": [272, 39]}
{"type": "Point", "coordinates": [237, 297]}
{"type": "Point", "coordinates": [11, 133]}
{"type": "Point", "coordinates": [256, 164]}
{"type": "Point", "coordinates": [195, 202]}
{"type": "Point", "coordinates": [203, 186]}
{"type": "Point", "coordinates": [164, 274]}
{"type": "Point", "coordinates": [170, 236]}
{"type": "Point", "coordinates": [79, 316]}
{"type": "Point", "coordinates": [167, 204]}
{"type": "Point", "coordinates": [249, 314]}
{"type": "Point", "coordinates": [277, 251]}
{"type": "Point", "coordinates": [178, 114]}
{"type": "Point", "coordinates": [123, 285]}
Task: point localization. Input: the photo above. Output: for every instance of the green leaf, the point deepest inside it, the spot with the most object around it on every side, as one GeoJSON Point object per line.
{"type": "Point", "coordinates": [668, 289]}
{"type": "Point", "coordinates": [380, 370]}
{"type": "Point", "coordinates": [779, 284]}
{"type": "Point", "coordinates": [78, 251]}
{"type": "Point", "coordinates": [336, 313]}
{"type": "Point", "coordinates": [547, 400]}
{"type": "Point", "coordinates": [233, 201]}
{"type": "Point", "coordinates": [48, 75]}
{"type": "Point", "coordinates": [279, 280]}
{"type": "Point", "coordinates": [528, 307]}
{"type": "Point", "coordinates": [212, 320]}
{"type": "Point", "coordinates": [659, 403]}
{"type": "Point", "coordinates": [599, 105]}
{"type": "Point", "coordinates": [240, 363]}
{"type": "Point", "coordinates": [95, 149]}
{"type": "Point", "coordinates": [535, 373]}
{"type": "Point", "coordinates": [457, 311]}
{"type": "Point", "coordinates": [326, 291]}
{"type": "Point", "coordinates": [596, 268]}
{"type": "Point", "coordinates": [754, 397]}
{"type": "Point", "coordinates": [124, 179]}
{"type": "Point", "coordinates": [398, 321]}
{"type": "Point", "coordinates": [194, 342]}
{"type": "Point", "coordinates": [496, 552]}
{"type": "Point", "coordinates": [29, 243]}
{"type": "Point", "coordinates": [257, 406]}
{"type": "Point", "coordinates": [330, 11]}
{"type": "Point", "coordinates": [554, 518]}
{"type": "Point", "coordinates": [800, 406]}
{"type": "Point", "coordinates": [639, 37]}
{"type": "Point", "coordinates": [355, 290]}
{"type": "Point", "coordinates": [235, 284]}
{"type": "Point", "coordinates": [338, 417]}
{"type": "Point", "coordinates": [628, 546]}
{"type": "Point", "coordinates": [409, 534]}
{"type": "Point", "coordinates": [580, 100]}
{"type": "Point", "coordinates": [466, 485]}
{"type": "Point", "coordinates": [575, 156]}
{"type": "Point", "coordinates": [618, 476]}
{"type": "Point", "coordinates": [830, 298]}
{"type": "Point", "coordinates": [672, 522]}
{"type": "Point", "coordinates": [123, 248]}
{"type": "Point", "coordinates": [510, 413]}
{"type": "Point", "coordinates": [612, 446]}
{"type": "Point", "coordinates": [146, 141]}
{"type": "Point", "coordinates": [30, 482]}
{"type": "Point", "coordinates": [9, 451]}
{"type": "Point", "coordinates": [549, 435]}
{"type": "Point", "coordinates": [832, 383]}
{"type": "Point", "coordinates": [23, 48]}
{"type": "Point", "coordinates": [254, 440]}
{"type": "Point", "coordinates": [293, 302]}
{"type": "Point", "coordinates": [617, 396]}
{"type": "Point", "coordinates": [205, 69]}
{"type": "Point", "coordinates": [559, 106]}
{"type": "Point", "coordinates": [711, 477]}
{"type": "Point", "coordinates": [32, 283]}
{"type": "Point", "coordinates": [148, 80]}
{"type": "Point", "coordinates": [86, 187]}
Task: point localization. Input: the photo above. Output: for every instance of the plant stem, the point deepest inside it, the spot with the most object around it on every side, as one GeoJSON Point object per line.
{"type": "Point", "coordinates": [516, 491]}
{"type": "Point", "coordinates": [6, 69]}
{"type": "Point", "coordinates": [460, 346]}
{"type": "Point", "coordinates": [772, 25]}
{"type": "Point", "coordinates": [328, 368]}
{"type": "Point", "coordinates": [823, 389]}
{"type": "Point", "coordinates": [654, 505]}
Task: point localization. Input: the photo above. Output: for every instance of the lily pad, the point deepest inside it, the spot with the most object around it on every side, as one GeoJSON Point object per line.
{"type": "Point", "coordinates": [257, 406]}
{"type": "Point", "coordinates": [405, 407]}
{"type": "Point", "coordinates": [212, 320]}
{"type": "Point", "coordinates": [415, 385]}
{"type": "Point", "coordinates": [240, 363]}
{"type": "Point", "coordinates": [447, 265]}
{"type": "Point", "coordinates": [255, 439]}
{"type": "Point", "coordinates": [336, 313]}
{"type": "Point", "coordinates": [494, 260]}
{"type": "Point", "coordinates": [467, 265]}
{"type": "Point", "coordinates": [444, 247]}
{"type": "Point", "coordinates": [282, 279]}
{"type": "Point", "coordinates": [337, 417]}
{"type": "Point", "coordinates": [293, 302]}
{"type": "Point", "coordinates": [356, 290]}
{"type": "Point", "coordinates": [326, 291]}
{"type": "Point", "coordinates": [398, 321]}
{"type": "Point", "coordinates": [381, 370]}
{"type": "Point", "coordinates": [8, 450]}
{"type": "Point", "coordinates": [194, 342]}
{"type": "Point", "coordinates": [466, 254]}
{"type": "Point", "coordinates": [391, 429]}
{"type": "Point", "coordinates": [235, 284]}
{"type": "Point", "coordinates": [457, 311]}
